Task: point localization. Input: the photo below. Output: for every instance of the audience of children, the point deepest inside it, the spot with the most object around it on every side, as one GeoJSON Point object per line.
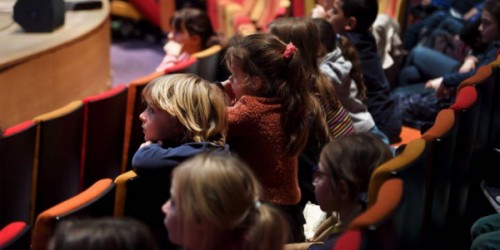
{"type": "Point", "coordinates": [216, 203]}
{"type": "Point", "coordinates": [185, 116]}
{"type": "Point", "coordinates": [102, 234]}
{"type": "Point", "coordinates": [191, 32]}
{"type": "Point", "coordinates": [446, 73]}
{"type": "Point", "coordinates": [288, 91]}
{"type": "Point", "coordinates": [270, 118]}
{"type": "Point", "coordinates": [353, 19]}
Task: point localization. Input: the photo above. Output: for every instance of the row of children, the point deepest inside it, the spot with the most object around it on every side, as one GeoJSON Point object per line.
{"type": "Point", "coordinates": [191, 29]}
{"type": "Point", "coordinates": [290, 93]}
{"type": "Point", "coordinates": [216, 203]}
{"type": "Point", "coordinates": [279, 105]}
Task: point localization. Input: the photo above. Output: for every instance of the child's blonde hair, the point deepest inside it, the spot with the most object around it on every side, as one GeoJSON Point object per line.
{"type": "Point", "coordinates": [196, 103]}
{"type": "Point", "coordinates": [224, 192]}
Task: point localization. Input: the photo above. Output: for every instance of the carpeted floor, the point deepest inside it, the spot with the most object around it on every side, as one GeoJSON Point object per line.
{"type": "Point", "coordinates": [133, 58]}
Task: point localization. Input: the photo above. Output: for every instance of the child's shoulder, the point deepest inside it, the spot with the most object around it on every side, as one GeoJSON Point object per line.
{"type": "Point", "coordinates": [255, 104]}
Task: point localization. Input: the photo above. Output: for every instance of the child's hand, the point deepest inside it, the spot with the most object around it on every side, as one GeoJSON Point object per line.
{"type": "Point", "coordinates": [437, 84]}
{"type": "Point", "coordinates": [318, 12]}
{"type": "Point", "coordinates": [173, 48]}
{"type": "Point", "coordinates": [226, 83]}
{"type": "Point", "coordinates": [434, 83]}
{"type": "Point", "coordinates": [468, 65]}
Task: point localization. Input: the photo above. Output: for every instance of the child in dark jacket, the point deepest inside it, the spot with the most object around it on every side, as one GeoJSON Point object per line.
{"type": "Point", "coordinates": [353, 19]}
{"type": "Point", "coordinates": [185, 116]}
{"type": "Point", "coordinates": [444, 74]}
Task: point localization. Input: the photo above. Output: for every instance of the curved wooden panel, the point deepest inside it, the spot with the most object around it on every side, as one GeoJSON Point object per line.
{"type": "Point", "coordinates": [40, 72]}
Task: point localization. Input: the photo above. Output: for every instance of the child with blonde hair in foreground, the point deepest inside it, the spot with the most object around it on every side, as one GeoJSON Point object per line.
{"type": "Point", "coordinates": [215, 204]}
{"type": "Point", "coordinates": [185, 116]}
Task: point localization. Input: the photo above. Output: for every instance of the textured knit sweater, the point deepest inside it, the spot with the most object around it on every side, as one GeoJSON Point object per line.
{"type": "Point", "coordinates": [256, 135]}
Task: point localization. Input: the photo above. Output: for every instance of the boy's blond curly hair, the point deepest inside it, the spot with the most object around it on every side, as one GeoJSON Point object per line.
{"type": "Point", "coordinates": [196, 103]}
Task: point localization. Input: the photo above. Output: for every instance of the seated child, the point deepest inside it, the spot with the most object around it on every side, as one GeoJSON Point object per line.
{"type": "Point", "coordinates": [353, 19]}
{"type": "Point", "coordinates": [185, 116]}
{"type": "Point", "coordinates": [341, 63]}
{"type": "Point", "coordinates": [216, 204]}
{"type": "Point", "coordinates": [191, 32]}
{"type": "Point", "coordinates": [341, 181]}
{"type": "Point", "coordinates": [446, 74]}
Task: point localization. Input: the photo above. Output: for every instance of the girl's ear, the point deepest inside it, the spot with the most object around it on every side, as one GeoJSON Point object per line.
{"type": "Point", "coordinates": [351, 24]}
{"type": "Point", "coordinates": [343, 190]}
{"type": "Point", "coordinates": [196, 39]}
{"type": "Point", "coordinates": [256, 84]}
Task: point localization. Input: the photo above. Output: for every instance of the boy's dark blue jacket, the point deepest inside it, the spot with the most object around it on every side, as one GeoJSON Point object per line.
{"type": "Point", "coordinates": [452, 80]}
{"type": "Point", "coordinates": [154, 156]}
{"type": "Point", "coordinates": [383, 109]}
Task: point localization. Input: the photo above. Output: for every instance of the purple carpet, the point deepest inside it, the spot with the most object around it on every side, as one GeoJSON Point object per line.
{"type": "Point", "coordinates": [131, 59]}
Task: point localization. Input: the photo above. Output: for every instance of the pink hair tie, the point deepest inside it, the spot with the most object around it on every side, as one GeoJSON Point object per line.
{"type": "Point", "coordinates": [289, 51]}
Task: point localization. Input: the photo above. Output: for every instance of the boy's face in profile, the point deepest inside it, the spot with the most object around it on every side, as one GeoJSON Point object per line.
{"type": "Point", "coordinates": [335, 15]}
{"type": "Point", "coordinates": [158, 125]}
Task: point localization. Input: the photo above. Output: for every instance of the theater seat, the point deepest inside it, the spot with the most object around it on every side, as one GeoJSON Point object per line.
{"type": "Point", "coordinates": [17, 157]}
{"type": "Point", "coordinates": [95, 201]}
{"type": "Point", "coordinates": [58, 155]}
{"type": "Point", "coordinates": [209, 63]}
{"type": "Point", "coordinates": [104, 126]}
{"type": "Point", "coordinates": [15, 236]}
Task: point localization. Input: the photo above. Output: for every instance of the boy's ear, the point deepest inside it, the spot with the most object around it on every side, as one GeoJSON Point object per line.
{"type": "Point", "coordinates": [351, 24]}
{"type": "Point", "coordinates": [178, 127]}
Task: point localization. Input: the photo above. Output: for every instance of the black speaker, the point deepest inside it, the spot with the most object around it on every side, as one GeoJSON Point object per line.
{"type": "Point", "coordinates": [39, 15]}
